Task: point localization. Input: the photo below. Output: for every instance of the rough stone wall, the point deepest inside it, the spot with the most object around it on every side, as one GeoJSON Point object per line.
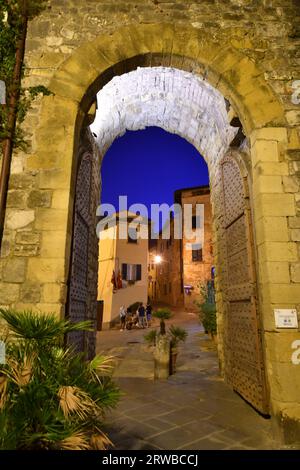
{"type": "Point", "coordinates": [167, 275]}
{"type": "Point", "coordinates": [196, 273]}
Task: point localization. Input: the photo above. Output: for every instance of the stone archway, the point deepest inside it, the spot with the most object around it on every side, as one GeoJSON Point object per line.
{"type": "Point", "coordinates": [182, 103]}
{"type": "Point", "coordinates": [242, 82]}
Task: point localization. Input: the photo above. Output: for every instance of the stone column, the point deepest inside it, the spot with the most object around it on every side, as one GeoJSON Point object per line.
{"type": "Point", "coordinates": [275, 216]}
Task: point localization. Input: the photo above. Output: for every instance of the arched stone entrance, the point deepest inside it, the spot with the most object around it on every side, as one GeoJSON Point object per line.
{"type": "Point", "coordinates": [242, 83]}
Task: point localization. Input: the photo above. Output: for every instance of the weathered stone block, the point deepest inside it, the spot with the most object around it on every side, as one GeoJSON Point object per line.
{"type": "Point", "coordinates": [21, 181]}
{"type": "Point", "coordinates": [53, 293]}
{"type": "Point", "coordinates": [294, 222]}
{"type": "Point", "coordinates": [54, 179]}
{"type": "Point", "coordinates": [295, 234]}
{"type": "Point", "coordinates": [16, 198]}
{"type": "Point", "coordinates": [274, 205]}
{"type": "Point", "coordinates": [46, 270]}
{"type": "Point", "coordinates": [268, 168]}
{"type": "Point", "coordinates": [295, 272]}
{"type": "Point", "coordinates": [16, 219]}
{"type": "Point", "coordinates": [26, 250]}
{"type": "Point", "coordinates": [30, 292]}
{"type": "Point", "coordinates": [284, 293]}
{"type": "Point", "coordinates": [277, 251]}
{"type": "Point", "coordinates": [38, 198]}
{"type": "Point", "coordinates": [277, 272]}
{"type": "Point", "coordinates": [273, 229]}
{"type": "Point", "coordinates": [278, 134]}
{"type": "Point", "coordinates": [290, 184]}
{"type": "Point", "coordinates": [293, 155]}
{"type": "Point", "coordinates": [265, 151]}
{"type": "Point", "coordinates": [9, 293]}
{"type": "Point", "coordinates": [14, 270]}
{"type": "Point", "coordinates": [60, 199]}
{"type": "Point", "coordinates": [278, 347]}
{"type": "Point", "coordinates": [268, 184]}
{"type": "Point", "coordinates": [28, 238]}
{"type": "Point", "coordinates": [53, 244]}
{"type": "Point", "coordinates": [5, 248]}
{"type": "Point", "coordinates": [293, 117]}
{"type": "Point", "coordinates": [51, 219]}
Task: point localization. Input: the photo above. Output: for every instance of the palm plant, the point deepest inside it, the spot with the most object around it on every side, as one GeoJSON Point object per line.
{"type": "Point", "coordinates": [162, 314]}
{"type": "Point", "coordinates": [177, 334]}
{"type": "Point", "coordinates": [50, 397]}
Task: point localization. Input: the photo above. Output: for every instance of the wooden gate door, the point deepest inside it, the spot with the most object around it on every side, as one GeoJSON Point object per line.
{"type": "Point", "coordinates": [243, 342]}
{"type": "Point", "coordinates": [83, 275]}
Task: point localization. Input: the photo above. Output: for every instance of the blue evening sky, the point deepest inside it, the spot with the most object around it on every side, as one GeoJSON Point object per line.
{"type": "Point", "coordinates": [148, 166]}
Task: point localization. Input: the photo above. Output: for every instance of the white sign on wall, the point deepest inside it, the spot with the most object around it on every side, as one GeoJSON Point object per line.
{"type": "Point", "coordinates": [286, 318]}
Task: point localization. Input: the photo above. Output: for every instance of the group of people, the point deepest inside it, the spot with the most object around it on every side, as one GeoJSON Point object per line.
{"type": "Point", "coordinates": [141, 318]}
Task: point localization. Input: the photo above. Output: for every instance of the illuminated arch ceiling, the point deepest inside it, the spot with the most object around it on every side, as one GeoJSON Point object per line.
{"type": "Point", "coordinates": [177, 101]}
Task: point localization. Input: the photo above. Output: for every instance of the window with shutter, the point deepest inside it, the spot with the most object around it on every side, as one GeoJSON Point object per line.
{"type": "Point", "coordinates": [138, 272]}
{"type": "Point", "coordinates": [124, 271]}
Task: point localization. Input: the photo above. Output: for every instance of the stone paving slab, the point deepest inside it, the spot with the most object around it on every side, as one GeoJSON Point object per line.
{"type": "Point", "coordinates": [193, 409]}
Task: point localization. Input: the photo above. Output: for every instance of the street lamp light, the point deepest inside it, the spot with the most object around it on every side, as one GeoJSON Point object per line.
{"type": "Point", "coordinates": [157, 259]}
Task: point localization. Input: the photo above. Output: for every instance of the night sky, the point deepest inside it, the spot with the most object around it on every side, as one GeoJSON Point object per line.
{"type": "Point", "coordinates": [148, 166]}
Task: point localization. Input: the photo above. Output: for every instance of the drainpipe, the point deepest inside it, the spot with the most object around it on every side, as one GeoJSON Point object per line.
{"type": "Point", "coordinates": [7, 144]}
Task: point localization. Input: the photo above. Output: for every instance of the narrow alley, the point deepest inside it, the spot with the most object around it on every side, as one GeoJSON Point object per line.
{"type": "Point", "coordinates": [193, 409]}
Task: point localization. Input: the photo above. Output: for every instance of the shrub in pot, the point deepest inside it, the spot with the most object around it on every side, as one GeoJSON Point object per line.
{"type": "Point", "coordinates": [165, 347]}
{"type": "Point", "coordinates": [177, 335]}
{"type": "Point", "coordinates": [207, 311]}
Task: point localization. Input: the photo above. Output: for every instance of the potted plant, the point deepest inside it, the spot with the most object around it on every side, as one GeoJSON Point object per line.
{"type": "Point", "coordinates": [165, 345]}
{"type": "Point", "coordinates": [177, 335]}
{"type": "Point", "coordinates": [162, 314]}
{"type": "Point", "coordinates": [207, 310]}
{"type": "Point", "coordinates": [51, 398]}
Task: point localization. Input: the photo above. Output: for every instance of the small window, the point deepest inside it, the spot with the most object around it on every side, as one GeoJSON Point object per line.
{"type": "Point", "coordinates": [131, 272]}
{"type": "Point", "coordinates": [197, 254]}
{"type": "Point", "coordinates": [132, 236]}
{"type": "Point", "coordinates": [195, 222]}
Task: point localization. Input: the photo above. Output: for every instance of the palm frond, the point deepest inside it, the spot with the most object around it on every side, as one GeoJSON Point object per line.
{"type": "Point", "coordinates": [77, 441]}
{"type": "Point", "coordinates": [100, 441]}
{"type": "Point", "coordinates": [3, 390]}
{"type": "Point", "coordinates": [39, 326]}
{"type": "Point", "coordinates": [75, 400]}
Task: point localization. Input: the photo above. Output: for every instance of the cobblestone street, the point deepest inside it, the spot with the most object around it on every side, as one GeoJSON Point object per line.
{"type": "Point", "coordinates": [193, 409]}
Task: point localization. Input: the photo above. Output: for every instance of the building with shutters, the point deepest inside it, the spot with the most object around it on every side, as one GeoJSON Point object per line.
{"type": "Point", "coordinates": [165, 277]}
{"type": "Point", "coordinates": [184, 266]}
{"type": "Point", "coordinates": [197, 258]}
{"type": "Point", "coordinates": [122, 274]}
